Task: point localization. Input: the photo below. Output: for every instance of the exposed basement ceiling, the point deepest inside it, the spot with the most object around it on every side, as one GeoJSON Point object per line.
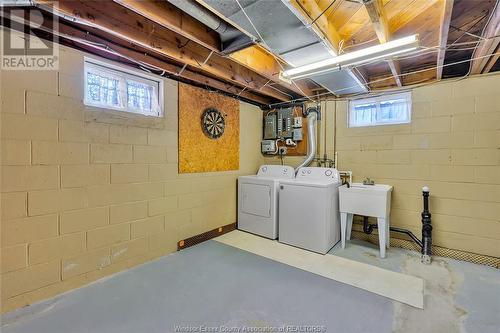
{"type": "Point", "coordinates": [211, 43]}
{"type": "Point", "coordinates": [281, 29]}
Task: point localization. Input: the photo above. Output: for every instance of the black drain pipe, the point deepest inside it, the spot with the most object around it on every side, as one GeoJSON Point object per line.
{"type": "Point", "coordinates": [426, 243]}
{"type": "Point", "coordinates": [426, 228]}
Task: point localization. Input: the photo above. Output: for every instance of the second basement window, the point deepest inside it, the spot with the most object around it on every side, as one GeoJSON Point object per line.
{"type": "Point", "coordinates": [382, 110]}
{"type": "Point", "coordinates": [112, 87]}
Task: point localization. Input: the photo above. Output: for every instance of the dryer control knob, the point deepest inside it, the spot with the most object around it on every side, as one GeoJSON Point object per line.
{"type": "Point", "coordinates": [285, 170]}
{"type": "Point", "coordinates": [308, 172]}
{"type": "Point", "coordinates": [303, 172]}
{"type": "Point", "coordinates": [328, 173]}
{"type": "Point", "coordinates": [264, 169]}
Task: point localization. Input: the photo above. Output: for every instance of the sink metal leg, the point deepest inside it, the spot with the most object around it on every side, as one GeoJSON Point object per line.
{"type": "Point", "coordinates": [343, 227]}
{"type": "Point", "coordinates": [382, 240]}
{"type": "Point", "coordinates": [388, 232]}
{"type": "Point", "coordinates": [349, 225]}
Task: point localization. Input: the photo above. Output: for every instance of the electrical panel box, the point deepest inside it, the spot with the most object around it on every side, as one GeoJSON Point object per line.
{"type": "Point", "coordinates": [270, 126]}
{"type": "Point", "coordinates": [285, 119]}
{"type": "Point", "coordinates": [268, 146]}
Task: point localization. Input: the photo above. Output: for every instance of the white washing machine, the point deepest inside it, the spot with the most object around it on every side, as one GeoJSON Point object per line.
{"type": "Point", "coordinates": [309, 209]}
{"type": "Point", "coordinates": [258, 200]}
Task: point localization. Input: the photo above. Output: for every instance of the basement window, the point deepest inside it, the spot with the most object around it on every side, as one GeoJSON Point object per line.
{"type": "Point", "coordinates": [115, 88]}
{"type": "Point", "coordinates": [382, 110]}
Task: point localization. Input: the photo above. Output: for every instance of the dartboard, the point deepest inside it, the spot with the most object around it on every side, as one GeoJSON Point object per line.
{"type": "Point", "coordinates": [213, 124]}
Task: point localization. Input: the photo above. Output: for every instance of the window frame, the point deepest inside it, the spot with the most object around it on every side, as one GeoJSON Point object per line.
{"type": "Point", "coordinates": [124, 75]}
{"type": "Point", "coordinates": [375, 114]}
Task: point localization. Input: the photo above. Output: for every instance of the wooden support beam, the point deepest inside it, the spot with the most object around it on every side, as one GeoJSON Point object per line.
{"type": "Point", "coordinates": [396, 71]}
{"type": "Point", "coordinates": [118, 21]}
{"type": "Point", "coordinates": [489, 46]}
{"type": "Point", "coordinates": [310, 10]}
{"type": "Point", "coordinates": [89, 40]}
{"type": "Point", "coordinates": [375, 10]}
{"type": "Point", "coordinates": [170, 17]}
{"type": "Point", "coordinates": [443, 35]}
{"type": "Point", "coordinates": [492, 61]}
{"type": "Point", "coordinates": [254, 57]}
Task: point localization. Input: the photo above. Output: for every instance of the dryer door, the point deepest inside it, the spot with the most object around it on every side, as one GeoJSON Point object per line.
{"type": "Point", "coordinates": [256, 199]}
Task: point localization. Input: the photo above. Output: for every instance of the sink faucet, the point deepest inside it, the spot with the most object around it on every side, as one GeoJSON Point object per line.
{"type": "Point", "coordinates": [368, 181]}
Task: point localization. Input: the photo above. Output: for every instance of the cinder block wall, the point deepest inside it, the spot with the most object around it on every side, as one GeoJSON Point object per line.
{"type": "Point", "coordinates": [84, 199]}
{"type": "Point", "coordinates": [453, 146]}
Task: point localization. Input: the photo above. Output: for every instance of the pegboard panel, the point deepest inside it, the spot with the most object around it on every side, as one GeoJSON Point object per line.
{"type": "Point", "coordinates": [198, 152]}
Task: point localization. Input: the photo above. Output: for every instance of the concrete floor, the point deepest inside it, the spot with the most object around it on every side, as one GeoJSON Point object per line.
{"type": "Point", "coordinates": [213, 285]}
{"type": "Point", "coordinates": [458, 296]}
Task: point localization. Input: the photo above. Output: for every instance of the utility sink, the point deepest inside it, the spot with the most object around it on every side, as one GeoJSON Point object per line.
{"type": "Point", "coordinates": [366, 200]}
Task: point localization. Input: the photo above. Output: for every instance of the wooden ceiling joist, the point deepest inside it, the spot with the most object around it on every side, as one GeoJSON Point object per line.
{"type": "Point", "coordinates": [161, 31]}
{"type": "Point", "coordinates": [254, 57]}
{"type": "Point", "coordinates": [309, 9]}
{"type": "Point", "coordinates": [403, 16]}
{"type": "Point", "coordinates": [443, 35]}
{"type": "Point", "coordinates": [116, 49]}
{"type": "Point", "coordinates": [118, 21]}
{"type": "Point", "coordinates": [378, 18]}
{"type": "Point", "coordinates": [170, 17]}
{"type": "Point", "coordinates": [486, 49]}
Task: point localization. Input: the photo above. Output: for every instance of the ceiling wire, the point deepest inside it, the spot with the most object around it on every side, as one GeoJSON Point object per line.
{"type": "Point", "coordinates": [107, 48]}
{"type": "Point", "coordinates": [478, 20]}
{"type": "Point", "coordinates": [267, 45]}
{"type": "Point", "coordinates": [466, 32]}
{"type": "Point", "coordinates": [391, 77]}
{"type": "Point", "coordinates": [424, 50]}
{"type": "Point", "coordinates": [482, 33]}
{"type": "Point", "coordinates": [324, 11]}
{"type": "Point", "coordinates": [152, 67]}
{"type": "Point", "coordinates": [334, 9]}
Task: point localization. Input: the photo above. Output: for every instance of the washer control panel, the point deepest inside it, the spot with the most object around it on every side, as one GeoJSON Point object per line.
{"type": "Point", "coordinates": [276, 171]}
{"type": "Point", "coordinates": [318, 173]}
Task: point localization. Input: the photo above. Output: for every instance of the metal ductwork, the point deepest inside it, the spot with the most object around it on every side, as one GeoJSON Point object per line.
{"type": "Point", "coordinates": [232, 39]}
{"type": "Point", "coordinates": [313, 115]}
{"type": "Point", "coordinates": [286, 33]}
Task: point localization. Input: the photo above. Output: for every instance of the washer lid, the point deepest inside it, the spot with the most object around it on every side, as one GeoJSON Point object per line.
{"type": "Point", "coordinates": [312, 182]}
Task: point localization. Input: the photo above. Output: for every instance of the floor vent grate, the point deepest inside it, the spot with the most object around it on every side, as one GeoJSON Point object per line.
{"type": "Point", "coordinates": [197, 239]}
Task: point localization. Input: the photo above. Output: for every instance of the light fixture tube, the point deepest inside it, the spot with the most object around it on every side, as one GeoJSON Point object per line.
{"type": "Point", "coordinates": [368, 54]}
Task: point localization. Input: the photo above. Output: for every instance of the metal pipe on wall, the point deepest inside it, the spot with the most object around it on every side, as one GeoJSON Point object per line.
{"type": "Point", "coordinates": [313, 114]}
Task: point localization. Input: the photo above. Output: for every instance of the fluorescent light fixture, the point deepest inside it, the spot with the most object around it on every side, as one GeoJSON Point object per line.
{"type": "Point", "coordinates": [368, 54]}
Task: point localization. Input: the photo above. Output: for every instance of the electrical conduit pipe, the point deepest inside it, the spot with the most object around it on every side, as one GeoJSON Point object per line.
{"type": "Point", "coordinates": [313, 115]}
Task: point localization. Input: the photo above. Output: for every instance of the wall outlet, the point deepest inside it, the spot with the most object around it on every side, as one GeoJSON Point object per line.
{"type": "Point", "coordinates": [282, 151]}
